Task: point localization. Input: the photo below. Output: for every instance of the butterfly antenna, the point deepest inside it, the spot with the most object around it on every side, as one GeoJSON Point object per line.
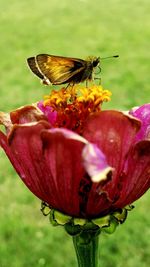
{"type": "Point", "coordinates": [109, 57]}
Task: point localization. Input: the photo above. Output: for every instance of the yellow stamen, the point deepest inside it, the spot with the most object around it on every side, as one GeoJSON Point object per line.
{"type": "Point", "coordinates": [75, 104]}
{"type": "Point", "coordinates": [94, 95]}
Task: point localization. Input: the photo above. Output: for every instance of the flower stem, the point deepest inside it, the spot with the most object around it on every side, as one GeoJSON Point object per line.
{"type": "Point", "coordinates": [86, 247]}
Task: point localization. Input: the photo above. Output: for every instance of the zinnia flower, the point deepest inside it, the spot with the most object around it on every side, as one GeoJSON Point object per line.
{"type": "Point", "coordinates": [80, 160]}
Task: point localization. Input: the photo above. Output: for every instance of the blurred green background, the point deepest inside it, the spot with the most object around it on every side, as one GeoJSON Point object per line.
{"type": "Point", "coordinates": [76, 28]}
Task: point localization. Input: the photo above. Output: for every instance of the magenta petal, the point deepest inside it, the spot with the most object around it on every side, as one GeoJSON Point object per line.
{"type": "Point", "coordinates": [99, 203]}
{"type": "Point", "coordinates": [95, 163]}
{"type": "Point", "coordinates": [23, 149]}
{"type": "Point", "coordinates": [49, 112]}
{"type": "Point", "coordinates": [6, 148]}
{"type": "Point", "coordinates": [49, 163]}
{"type": "Point", "coordinates": [114, 133]}
{"type": "Point", "coordinates": [68, 134]}
{"type": "Point", "coordinates": [63, 159]}
{"type": "Point", "coordinates": [136, 174]}
{"type": "Point", "coordinates": [143, 114]}
{"type": "Point", "coordinates": [27, 114]}
{"type": "Point", "coordinates": [6, 121]}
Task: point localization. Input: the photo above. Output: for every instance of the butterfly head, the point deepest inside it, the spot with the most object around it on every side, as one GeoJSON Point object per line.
{"type": "Point", "coordinates": [96, 61]}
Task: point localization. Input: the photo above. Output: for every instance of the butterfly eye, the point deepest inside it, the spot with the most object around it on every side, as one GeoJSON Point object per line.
{"type": "Point", "coordinates": [95, 62]}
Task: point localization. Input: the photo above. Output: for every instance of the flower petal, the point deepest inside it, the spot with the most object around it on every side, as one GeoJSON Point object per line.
{"type": "Point", "coordinates": [49, 163]}
{"type": "Point", "coordinates": [27, 114]}
{"type": "Point", "coordinates": [63, 159]}
{"type": "Point", "coordinates": [69, 134]}
{"type": "Point", "coordinates": [6, 148]}
{"type": "Point", "coordinates": [95, 163]}
{"type": "Point", "coordinates": [25, 151]}
{"type": "Point", "coordinates": [136, 178]}
{"type": "Point", "coordinates": [48, 111]}
{"type": "Point", "coordinates": [5, 120]}
{"type": "Point", "coordinates": [143, 114]}
{"type": "Point", "coordinates": [114, 134]}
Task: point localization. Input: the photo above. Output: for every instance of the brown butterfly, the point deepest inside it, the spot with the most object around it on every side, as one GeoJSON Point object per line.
{"type": "Point", "coordinates": [60, 70]}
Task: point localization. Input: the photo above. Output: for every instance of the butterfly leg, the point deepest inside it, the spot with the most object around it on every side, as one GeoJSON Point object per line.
{"type": "Point", "coordinates": [98, 78]}
{"type": "Point", "coordinates": [68, 85]}
{"type": "Point", "coordinates": [87, 83]}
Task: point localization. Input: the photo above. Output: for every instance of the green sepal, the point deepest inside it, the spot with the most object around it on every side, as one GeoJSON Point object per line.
{"type": "Point", "coordinates": [76, 226]}
{"type": "Point", "coordinates": [129, 207]}
{"type": "Point", "coordinates": [91, 226]}
{"type": "Point", "coordinates": [72, 229]}
{"type": "Point", "coordinates": [103, 221]}
{"type": "Point", "coordinates": [79, 221]}
{"type": "Point", "coordinates": [61, 218]}
{"type": "Point", "coordinates": [112, 227]}
{"type": "Point", "coordinates": [52, 219]}
{"type": "Point", "coordinates": [120, 215]}
{"type": "Point", "coordinates": [45, 208]}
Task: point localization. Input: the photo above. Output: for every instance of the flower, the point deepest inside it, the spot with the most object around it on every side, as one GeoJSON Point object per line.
{"type": "Point", "coordinates": [80, 160]}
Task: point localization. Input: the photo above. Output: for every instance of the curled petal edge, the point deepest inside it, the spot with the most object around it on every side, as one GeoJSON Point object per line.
{"type": "Point", "coordinates": [27, 114]}
{"type": "Point", "coordinates": [95, 163]}
{"type": "Point", "coordinates": [5, 120]}
{"type": "Point", "coordinates": [16, 126]}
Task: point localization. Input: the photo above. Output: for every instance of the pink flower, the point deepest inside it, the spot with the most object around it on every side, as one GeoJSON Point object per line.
{"type": "Point", "coordinates": [87, 175]}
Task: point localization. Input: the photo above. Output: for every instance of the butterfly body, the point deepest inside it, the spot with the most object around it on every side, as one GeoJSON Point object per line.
{"type": "Point", "coordinates": [60, 70]}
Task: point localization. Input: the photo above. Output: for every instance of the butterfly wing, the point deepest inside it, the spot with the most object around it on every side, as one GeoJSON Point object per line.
{"type": "Point", "coordinates": [59, 70]}
{"type": "Point", "coordinates": [34, 67]}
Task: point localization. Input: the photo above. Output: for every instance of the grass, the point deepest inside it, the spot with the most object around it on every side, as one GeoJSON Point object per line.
{"type": "Point", "coordinates": [71, 28]}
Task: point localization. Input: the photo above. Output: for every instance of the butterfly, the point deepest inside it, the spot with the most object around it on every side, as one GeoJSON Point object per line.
{"type": "Point", "coordinates": [60, 70]}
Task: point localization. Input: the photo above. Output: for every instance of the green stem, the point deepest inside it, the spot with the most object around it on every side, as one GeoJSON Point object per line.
{"type": "Point", "coordinates": [86, 247]}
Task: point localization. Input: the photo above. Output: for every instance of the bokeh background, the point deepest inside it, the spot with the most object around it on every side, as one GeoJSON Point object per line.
{"type": "Point", "coordinates": [76, 28]}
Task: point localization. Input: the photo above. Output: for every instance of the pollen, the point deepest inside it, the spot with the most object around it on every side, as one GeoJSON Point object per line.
{"type": "Point", "coordinates": [75, 104]}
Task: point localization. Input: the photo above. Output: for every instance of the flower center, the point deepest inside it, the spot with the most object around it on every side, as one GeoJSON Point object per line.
{"type": "Point", "coordinates": [75, 104]}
